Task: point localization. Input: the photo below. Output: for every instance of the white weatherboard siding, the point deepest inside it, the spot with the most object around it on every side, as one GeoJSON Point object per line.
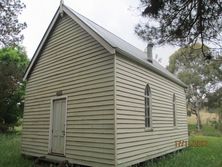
{"type": "Point", "coordinates": [134, 144]}
{"type": "Point", "coordinates": [74, 62]}
{"type": "Point", "coordinates": [104, 92]}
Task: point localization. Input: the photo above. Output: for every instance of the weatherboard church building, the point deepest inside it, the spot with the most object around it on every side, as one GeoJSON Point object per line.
{"type": "Point", "coordinates": [93, 99]}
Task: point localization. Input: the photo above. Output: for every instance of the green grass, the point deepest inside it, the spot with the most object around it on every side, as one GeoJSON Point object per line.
{"type": "Point", "coordinates": [206, 156]}
{"type": "Point", "coordinates": [207, 130]}
{"type": "Point", "coordinates": [10, 151]}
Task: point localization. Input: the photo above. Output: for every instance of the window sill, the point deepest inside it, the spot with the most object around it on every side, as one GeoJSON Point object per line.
{"type": "Point", "coordinates": [148, 129]}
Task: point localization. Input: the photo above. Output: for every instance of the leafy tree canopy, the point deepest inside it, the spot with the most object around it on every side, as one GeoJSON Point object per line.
{"type": "Point", "coordinates": [201, 77]}
{"type": "Point", "coordinates": [10, 27]}
{"type": "Point", "coordinates": [215, 101]}
{"type": "Point", "coordinates": [13, 62]}
{"type": "Point", "coordinates": [188, 65]}
{"type": "Point", "coordinates": [181, 22]}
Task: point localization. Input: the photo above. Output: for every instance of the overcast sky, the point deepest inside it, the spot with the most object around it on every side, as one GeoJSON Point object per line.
{"type": "Point", "coordinates": [117, 16]}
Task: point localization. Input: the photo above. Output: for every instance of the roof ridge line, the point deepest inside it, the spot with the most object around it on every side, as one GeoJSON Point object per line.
{"type": "Point", "coordinates": [102, 28]}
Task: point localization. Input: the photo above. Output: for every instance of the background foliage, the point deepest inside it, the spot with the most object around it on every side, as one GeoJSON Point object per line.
{"type": "Point", "coordinates": [203, 78]}
{"type": "Point", "coordinates": [10, 27]}
{"type": "Point", "coordinates": [181, 22]}
{"type": "Point", "coordinates": [13, 62]}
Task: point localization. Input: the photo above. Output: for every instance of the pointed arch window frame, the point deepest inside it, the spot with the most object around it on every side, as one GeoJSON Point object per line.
{"type": "Point", "coordinates": [174, 110]}
{"type": "Point", "coordinates": [148, 107]}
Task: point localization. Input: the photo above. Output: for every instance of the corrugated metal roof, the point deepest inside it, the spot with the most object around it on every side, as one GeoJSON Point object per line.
{"type": "Point", "coordinates": [126, 48]}
{"type": "Point", "coordinates": [109, 40]}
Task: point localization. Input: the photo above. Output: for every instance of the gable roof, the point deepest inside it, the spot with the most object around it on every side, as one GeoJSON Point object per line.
{"type": "Point", "coordinates": [108, 40]}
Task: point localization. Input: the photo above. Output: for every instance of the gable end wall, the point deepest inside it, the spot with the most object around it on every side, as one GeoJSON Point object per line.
{"type": "Point", "coordinates": [74, 62]}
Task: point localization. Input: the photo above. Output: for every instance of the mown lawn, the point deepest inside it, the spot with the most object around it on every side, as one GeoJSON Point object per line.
{"type": "Point", "coordinates": [10, 151]}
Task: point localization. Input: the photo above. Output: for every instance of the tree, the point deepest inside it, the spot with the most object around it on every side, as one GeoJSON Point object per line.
{"type": "Point", "coordinates": [200, 76]}
{"type": "Point", "coordinates": [181, 22]}
{"type": "Point", "coordinates": [215, 104]}
{"type": "Point", "coordinates": [10, 27]}
{"type": "Point", "coordinates": [13, 62]}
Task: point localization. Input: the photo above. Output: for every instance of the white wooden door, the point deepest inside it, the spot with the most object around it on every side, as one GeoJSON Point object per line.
{"type": "Point", "coordinates": [58, 126]}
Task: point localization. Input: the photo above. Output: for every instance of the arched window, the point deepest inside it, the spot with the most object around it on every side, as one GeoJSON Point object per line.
{"type": "Point", "coordinates": [147, 100]}
{"type": "Point", "coordinates": [174, 110]}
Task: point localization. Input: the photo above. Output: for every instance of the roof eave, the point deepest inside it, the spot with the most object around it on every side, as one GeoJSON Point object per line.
{"type": "Point", "coordinates": [100, 39]}
{"type": "Point", "coordinates": [95, 35]}
{"type": "Point", "coordinates": [103, 42]}
{"type": "Point", "coordinates": [39, 48]}
{"type": "Point", "coordinates": [151, 67]}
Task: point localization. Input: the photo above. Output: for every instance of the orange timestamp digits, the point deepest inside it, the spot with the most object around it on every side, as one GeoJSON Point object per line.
{"type": "Point", "coordinates": [193, 143]}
